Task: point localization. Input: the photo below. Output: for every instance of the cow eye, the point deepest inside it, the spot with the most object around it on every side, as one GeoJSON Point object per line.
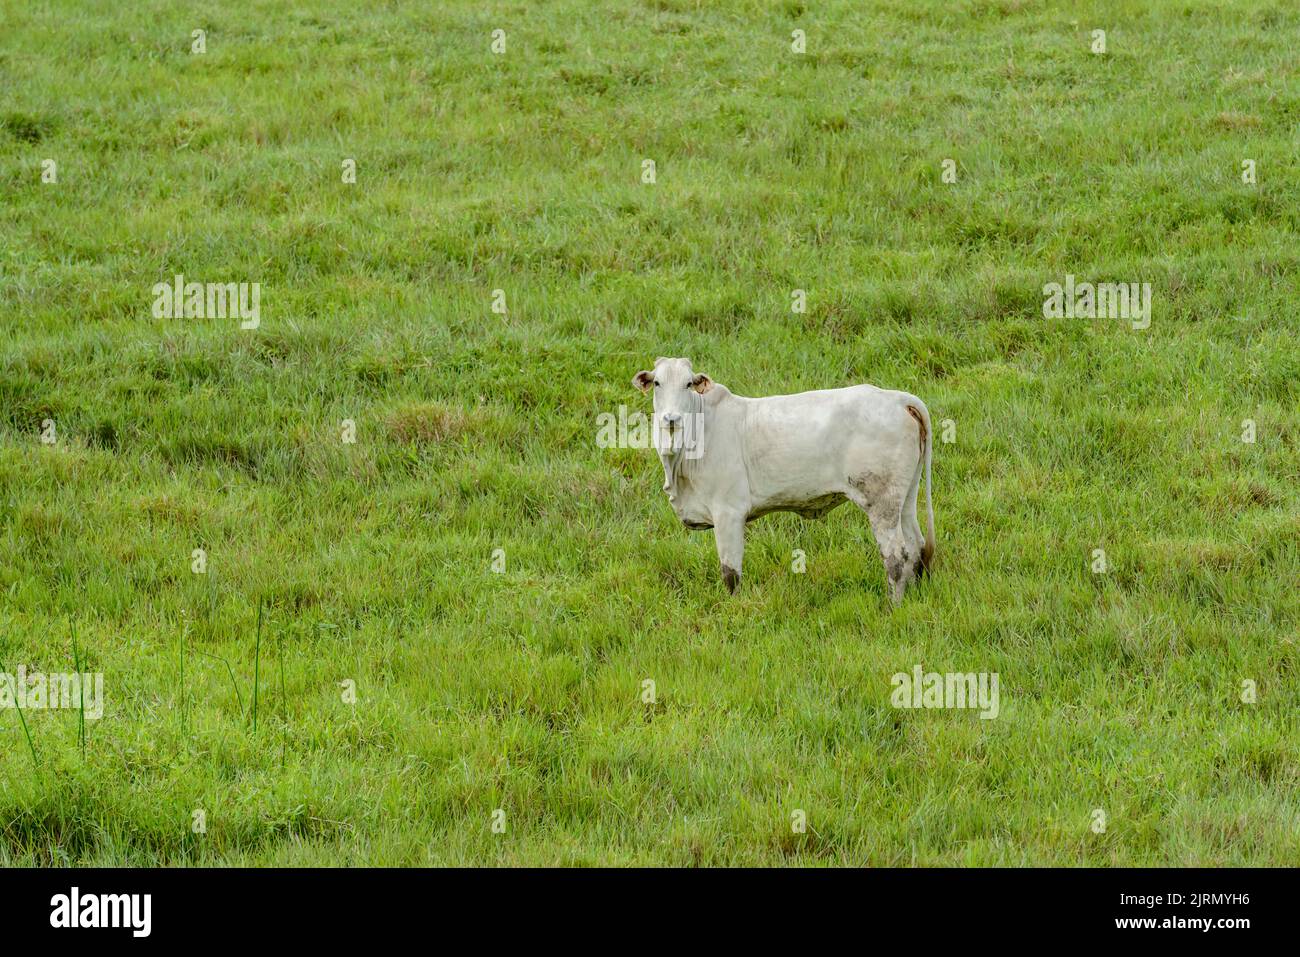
{"type": "Point", "coordinates": [656, 383]}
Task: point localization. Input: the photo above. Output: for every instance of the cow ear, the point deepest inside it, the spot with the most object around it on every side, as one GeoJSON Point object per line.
{"type": "Point", "coordinates": [701, 383]}
{"type": "Point", "coordinates": [643, 380]}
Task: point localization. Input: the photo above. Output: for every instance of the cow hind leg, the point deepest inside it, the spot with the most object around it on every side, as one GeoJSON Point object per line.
{"type": "Point", "coordinates": [900, 561]}
{"type": "Point", "coordinates": [885, 513]}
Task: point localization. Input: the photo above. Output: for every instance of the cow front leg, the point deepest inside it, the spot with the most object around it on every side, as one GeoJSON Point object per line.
{"type": "Point", "coordinates": [729, 533]}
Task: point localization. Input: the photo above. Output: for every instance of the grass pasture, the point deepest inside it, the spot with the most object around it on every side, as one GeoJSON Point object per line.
{"type": "Point", "coordinates": [522, 171]}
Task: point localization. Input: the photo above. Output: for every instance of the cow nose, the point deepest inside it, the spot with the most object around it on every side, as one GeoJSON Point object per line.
{"type": "Point", "coordinates": [671, 419]}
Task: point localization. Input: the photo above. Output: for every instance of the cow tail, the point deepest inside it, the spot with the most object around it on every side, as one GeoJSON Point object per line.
{"type": "Point", "coordinates": [919, 412]}
{"type": "Point", "coordinates": [927, 551]}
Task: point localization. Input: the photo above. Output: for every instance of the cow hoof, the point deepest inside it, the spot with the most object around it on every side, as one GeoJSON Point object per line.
{"type": "Point", "coordinates": [731, 578]}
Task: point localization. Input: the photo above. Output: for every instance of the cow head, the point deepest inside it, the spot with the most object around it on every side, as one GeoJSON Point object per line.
{"type": "Point", "coordinates": [678, 407]}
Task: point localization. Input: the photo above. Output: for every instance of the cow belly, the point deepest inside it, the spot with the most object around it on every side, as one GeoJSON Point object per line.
{"type": "Point", "coordinates": [813, 508]}
{"type": "Point", "coordinates": [799, 477]}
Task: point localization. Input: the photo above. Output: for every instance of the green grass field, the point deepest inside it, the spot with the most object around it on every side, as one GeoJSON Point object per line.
{"type": "Point", "coordinates": [522, 691]}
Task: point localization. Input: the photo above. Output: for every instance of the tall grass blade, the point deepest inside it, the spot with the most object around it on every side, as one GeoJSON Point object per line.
{"type": "Point", "coordinates": [26, 731]}
{"type": "Point", "coordinates": [231, 671]}
{"type": "Point", "coordinates": [81, 693]}
{"type": "Point", "coordinates": [284, 710]}
{"type": "Point", "coordinates": [257, 662]}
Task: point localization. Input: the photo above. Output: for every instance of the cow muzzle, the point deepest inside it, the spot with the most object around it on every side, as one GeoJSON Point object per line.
{"type": "Point", "coordinates": [679, 433]}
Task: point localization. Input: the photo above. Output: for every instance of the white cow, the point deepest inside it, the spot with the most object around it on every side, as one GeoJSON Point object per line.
{"type": "Point", "coordinates": [729, 459]}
